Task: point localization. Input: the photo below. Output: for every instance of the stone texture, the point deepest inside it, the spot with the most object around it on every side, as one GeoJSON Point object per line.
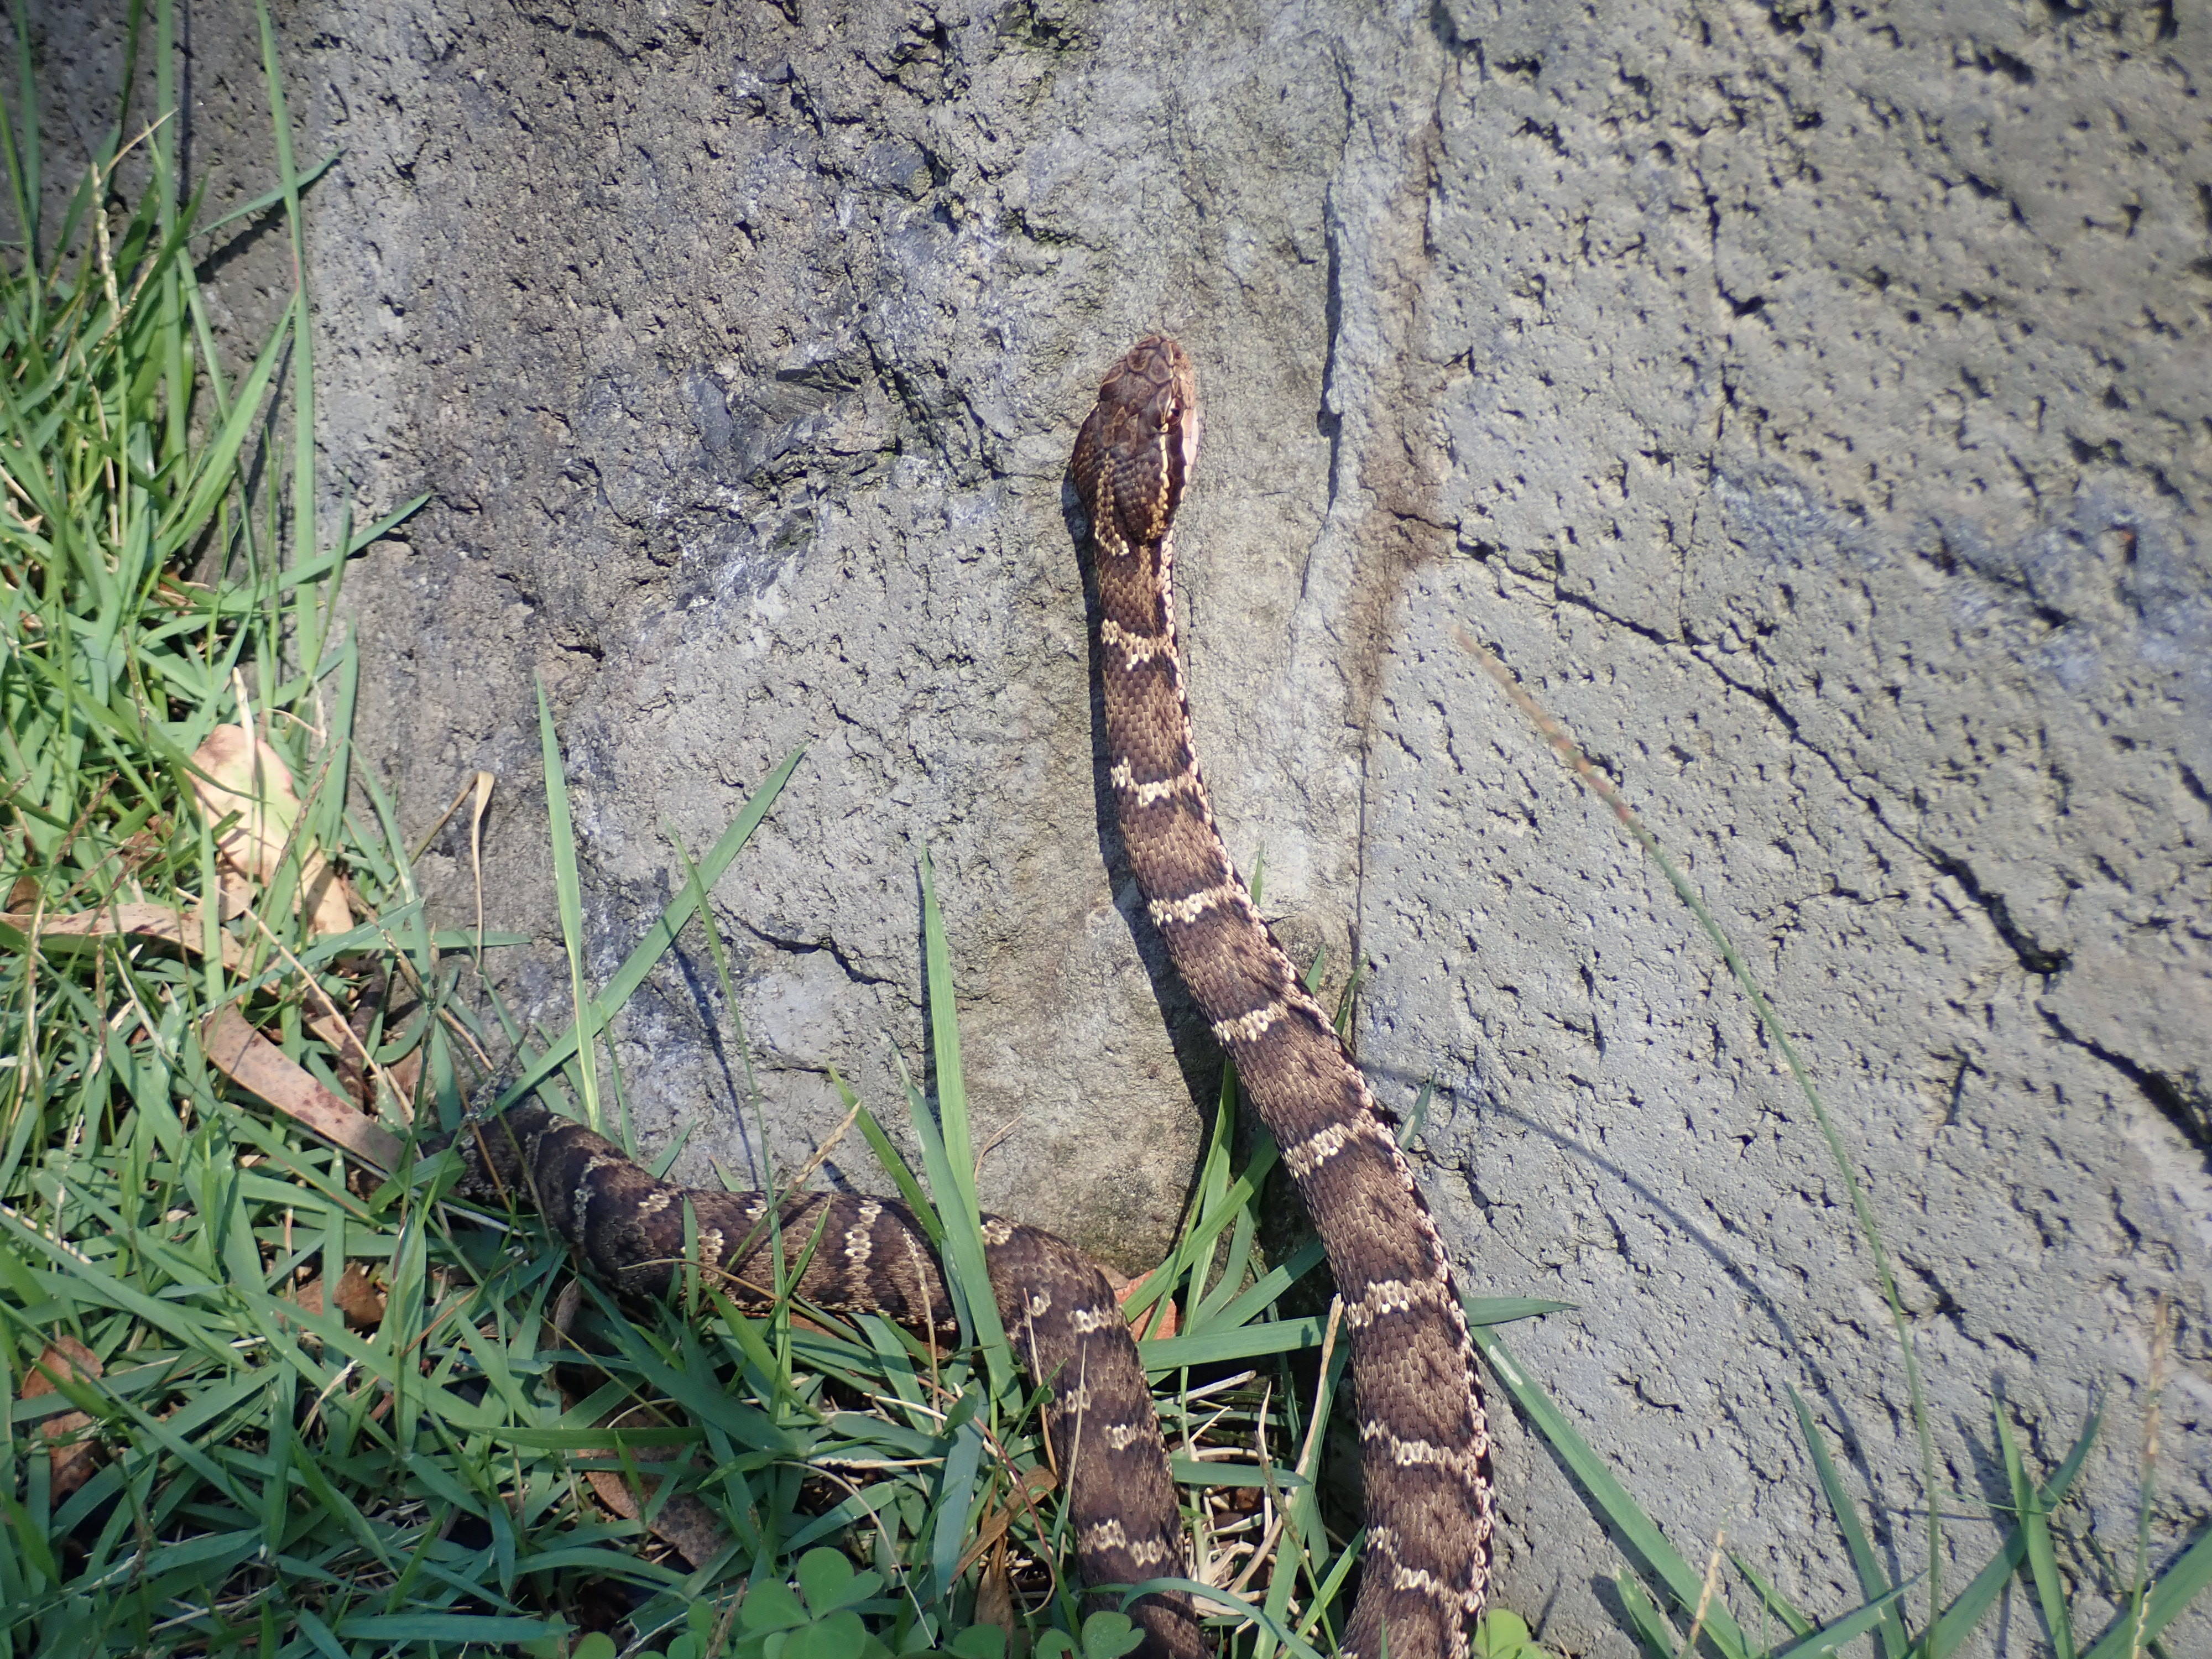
{"type": "Point", "coordinates": [1806, 402]}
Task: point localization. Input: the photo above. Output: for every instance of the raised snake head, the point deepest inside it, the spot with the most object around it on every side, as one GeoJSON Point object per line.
{"type": "Point", "coordinates": [1137, 449]}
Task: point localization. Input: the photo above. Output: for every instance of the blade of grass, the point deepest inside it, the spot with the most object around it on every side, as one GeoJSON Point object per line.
{"type": "Point", "coordinates": [1169, 1353]}
{"type": "Point", "coordinates": [568, 889]}
{"type": "Point", "coordinates": [1649, 1624]}
{"type": "Point", "coordinates": [1213, 1594]}
{"type": "Point", "coordinates": [1873, 1581]}
{"type": "Point", "coordinates": [660, 936]}
{"type": "Point", "coordinates": [956, 1505]}
{"type": "Point", "coordinates": [893, 1164]}
{"type": "Point", "coordinates": [1636, 1531]}
{"type": "Point", "coordinates": [2042, 1565]}
{"type": "Point", "coordinates": [1772, 1599]}
{"type": "Point", "coordinates": [303, 370]}
{"type": "Point", "coordinates": [1586, 773]}
{"type": "Point", "coordinates": [1960, 1619]}
{"type": "Point", "coordinates": [949, 1154]}
{"type": "Point", "coordinates": [2175, 1588]}
{"type": "Point", "coordinates": [1831, 1638]}
{"type": "Point", "coordinates": [722, 976]}
{"type": "Point", "coordinates": [214, 475]}
{"type": "Point", "coordinates": [270, 198]}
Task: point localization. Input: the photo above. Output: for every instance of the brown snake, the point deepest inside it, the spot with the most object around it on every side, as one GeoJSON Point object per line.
{"type": "Point", "coordinates": [1425, 1445]}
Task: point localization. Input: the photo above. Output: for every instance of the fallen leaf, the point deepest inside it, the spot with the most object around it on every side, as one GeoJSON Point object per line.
{"type": "Point", "coordinates": [684, 1524]}
{"type": "Point", "coordinates": [994, 1596]}
{"type": "Point", "coordinates": [359, 1297]}
{"type": "Point", "coordinates": [992, 1530]}
{"type": "Point", "coordinates": [406, 1075]}
{"type": "Point", "coordinates": [236, 773]}
{"type": "Point", "coordinates": [337, 1036]}
{"type": "Point", "coordinates": [260, 1067]}
{"type": "Point", "coordinates": [1157, 1320]}
{"type": "Point", "coordinates": [179, 927]}
{"type": "Point", "coordinates": [75, 1454]}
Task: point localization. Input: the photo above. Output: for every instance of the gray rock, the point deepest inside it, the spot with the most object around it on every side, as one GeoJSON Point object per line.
{"type": "Point", "coordinates": [1808, 405]}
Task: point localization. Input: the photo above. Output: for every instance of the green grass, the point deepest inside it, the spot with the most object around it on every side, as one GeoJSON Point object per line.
{"type": "Point", "coordinates": [197, 1459]}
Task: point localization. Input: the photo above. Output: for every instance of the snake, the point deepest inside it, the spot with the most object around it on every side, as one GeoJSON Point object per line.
{"type": "Point", "coordinates": [1424, 1444]}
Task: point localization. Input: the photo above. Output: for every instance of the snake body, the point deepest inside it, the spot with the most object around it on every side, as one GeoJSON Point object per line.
{"type": "Point", "coordinates": [1424, 1444]}
{"type": "Point", "coordinates": [1424, 1449]}
{"type": "Point", "coordinates": [864, 1255]}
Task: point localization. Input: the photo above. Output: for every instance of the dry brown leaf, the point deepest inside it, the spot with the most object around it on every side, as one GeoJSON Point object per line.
{"type": "Point", "coordinates": [308, 1298]}
{"type": "Point", "coordinates": [245, 775]}
{"type": "Point", "coordinates": [406, 1075]}
{"type": "Point", "coordinates": [259, 1067]}
{"type": "Point", "coordinates": [684, 1524]}
{"type": "Point", "coordinates": [233, 893]}
{"type": "Point", "coordinates": [994, 1596]}
{"type": "Point", "coordinates": [75, 1454]}
{"type": "Point", "coordinates": [179, 927]}
{"type": "Point", "coordinates": [614, 1492]}
{"type": "Point", "coordinates": [359, 1297]}
{"type": "Point", "coordinates": [691, 1528]}
{"type": "Point", "coordinates": [993, 1528]}
{"type": "Point", "coordinates": [1157, 1320]}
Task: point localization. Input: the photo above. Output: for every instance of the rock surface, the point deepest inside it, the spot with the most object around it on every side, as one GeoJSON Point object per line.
{"type": "Point", "coordinates": [1808, 404]}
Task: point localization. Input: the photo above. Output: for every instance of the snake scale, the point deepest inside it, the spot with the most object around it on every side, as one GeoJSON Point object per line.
{"type": "Point", "coordinates": [1424, 1444]}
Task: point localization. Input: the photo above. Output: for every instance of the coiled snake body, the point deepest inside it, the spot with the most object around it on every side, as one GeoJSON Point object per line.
{"type": "Point", "coordinates": [1424, 1444]}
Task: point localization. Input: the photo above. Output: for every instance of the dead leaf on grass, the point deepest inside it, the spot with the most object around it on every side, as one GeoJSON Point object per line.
{"type": "Point", "coordinates": [683, 1523]}
{"type": "Point", "coordinates": [994, 1598]}
{"type": "Point", "coordinates": [179, 927]}
{"type": "Point", "coordinates": [260, 1067]}
{"type": "Point", "coordinates": [1155, 1321]}
{"type": "Point", "coordinates": [308, 1297]}
{"type": "Point", "coordinates": [75, 1454]}
{"type": "Point", "coordinates": [991, 1532]}
{"type": "Point", "coordinates": [245, 775]}
{"type": "Point", "coordinates": [360, 1298]}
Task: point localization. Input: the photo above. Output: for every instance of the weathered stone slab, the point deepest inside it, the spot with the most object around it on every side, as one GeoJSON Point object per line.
{"type": "Point", "coordinates": [1808, 405]}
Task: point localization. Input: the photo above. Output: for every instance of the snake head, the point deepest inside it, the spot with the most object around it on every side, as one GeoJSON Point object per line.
{"type": "Point", "coordinates": [1135, 452]}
